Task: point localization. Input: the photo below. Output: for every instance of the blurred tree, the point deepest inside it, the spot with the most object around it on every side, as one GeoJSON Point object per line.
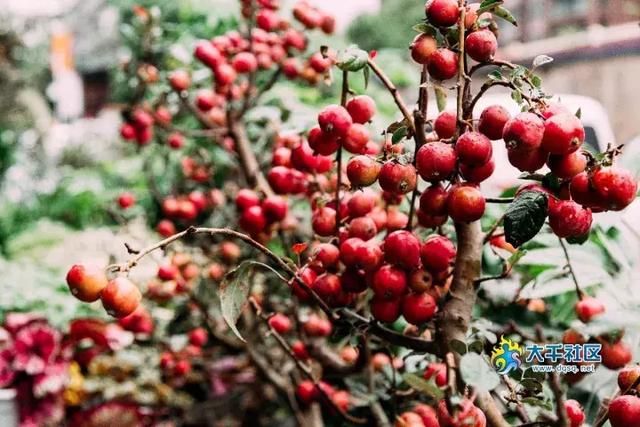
{"type": "Point", "coordinates": [389, 28]}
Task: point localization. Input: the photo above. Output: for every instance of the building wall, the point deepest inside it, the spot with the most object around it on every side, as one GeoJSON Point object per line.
{"type": "Point", "coordinates": [612, 81]}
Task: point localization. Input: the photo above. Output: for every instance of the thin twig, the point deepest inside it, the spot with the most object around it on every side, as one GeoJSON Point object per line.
{"type": "Point", "coordinates": [343, 102]}
{"type": "Point", "coordinates": [420, 118]}
{"type": "Point", "coordinates": [579, 292]}
{"type": "Point", "coordinates": [394, 93]}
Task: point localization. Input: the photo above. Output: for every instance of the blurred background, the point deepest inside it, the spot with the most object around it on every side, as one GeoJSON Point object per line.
{"type": "Point", "coordinates": [62, 88]}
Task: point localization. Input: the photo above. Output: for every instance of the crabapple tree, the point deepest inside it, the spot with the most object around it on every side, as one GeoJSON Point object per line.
{"type": "Point", "coordinates": [348, 266]}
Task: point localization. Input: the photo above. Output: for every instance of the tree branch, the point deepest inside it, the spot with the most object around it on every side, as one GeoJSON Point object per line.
{"type": "Point", "coordinates": [394, 93]}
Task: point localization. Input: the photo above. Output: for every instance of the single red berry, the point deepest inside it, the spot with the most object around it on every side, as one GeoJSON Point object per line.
{"type": "Point", "coordinates": [354, 281]}
{"type": "Point", "coordinates": [465, 203]}
{"type": "Point", "coordinates": [437, 253]}
{"type": "Point", "coordinates": [323, 143]}
{"type": "Point", "coordinates": [569, 219]}
{"type": "Point", "coordinates": [300, 350]}
{"type": "Point", "coordinates": [175, 140]}
{"type": "Point", "coordinates": [198, 337]}
{"type": "Point", "coordinates": [363, 227]}
{"type": "Point", "coordinates": [389, 283]}
{"type": "Point", "coordinates": [402, 248]}
{"type": "Point", "coordinates": [166, 228]}
{"type": "Point", "coordinates": [253, 220]}
{"type": "Point", "coordinates": [427, 413]}
{"type": "Point", "coordinates": [566, 166]}
{"type": "Point", "coordinates": [280, 323]}
{"type": "Point", "coordinates": [168, 272]}
{"type": "Point", "coordinates": [575, 413]}
{"type": "Point", "coordinates": [363, 171]}
{"type": "Point", "coordinates": [335, 120]}
{"type": "Point", "coordinates": [306, 392]}
{"type": "Point", "coordinates": [436, 161]}
{"type": "Point", "coordinates": [362, 202]}
{"type": "Point", "coordinates": [397, 178]}
{"type": "Point", "coordinates": [624, 411]}
{"type": "Point", "coordinates": [275, 208]}
{"type": "Point", "coordinates": [126, 200]}
{"type": "Point", "coordinates": [323, 221]}
{"type": "Point", "coordinates": [120, 297]}
{"type": "Point", "coordinates": [481, 45]}
{"type": "Point", "coordinates": [443, 64]}
{"type": "Point", "coordinates": [588, 307]}
{"type": "Point", "coordinates": [433, 200]}
{"type": "Point", "coordinates": [361, 108]}
{"type": "Point", "coordinates": [446, 124]}
{"type": "Point", "coordinates": [328, 287]}
{"type": "Point", "coordinates": [267, 20]}
{"type": "Point", "coordinates": [473, 149]}
{"type": "Point", "coordinates": [627, 377]}
{"type": "Point", "coordinates": [466, 414]}
{"type": "Point", "coordinates": [527, 160]}
{"type": "Point", "coordinates": [384, 310]}
{"type": "Point", "coordinates": [524, 132]}
{"type": "Point", "coordinates": [128, 131]}
{"type": "Point", "coordinates": [442, 13]}
{"type": "Point", "coordinates": [321, 64]}
{"type": "Point", "coordinates": [224, 75]}
{"type": "Point", "coordinates": [356, 139]}
{"type": "Point", "coordinates": [409, 419]}
{"type": "Point", "coordinates": [179, 80]}
{"type": "Point", "coordinates": [492, 121]}
{"type": "Point", "coordinates": [418, 308]}
{"type": "Point", "coordinates": [86, 282]}
{"type": "Point", "coordinates": [563, 134]}
{"type": "Point", "coordinates": [431, 221]}
{"type": "Point", "coordinates": [246, 198]}
{"type": "Point", "coordinates": [181, 368]}
{"type": "Point", "coordinates": [208, 54]}
{"type": "Point", "coordinates": [422, 46]}
{"type": "Point", "coordinates": [244, 62]}
{"type": "Point", "coordinates": [477, 174]}
{"type": "Point", "coordinates": [616, 187]}
{"type": "Point", "coordinates": [616, 355]}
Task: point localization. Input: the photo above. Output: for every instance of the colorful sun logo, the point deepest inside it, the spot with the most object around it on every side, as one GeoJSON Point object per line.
{"type": "Point", "coordinates": [506, 356]}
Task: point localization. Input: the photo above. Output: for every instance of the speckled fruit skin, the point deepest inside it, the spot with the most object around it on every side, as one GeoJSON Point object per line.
{"type": "Point", "coordinates": [433, 200]}
{"type": "Point", "coordinates": [465, 203]}
{"type": "Point", "coordinates": [563, 134]}
{"type": "Point", "coordinates": [569, 219]}
{"type": "Point", "coordinates": [582, 192]}
{"type": "Point", "coordinates": [384, 310]}
{"type": "Point", "coordinates": [624, 411]}
{"type": "Point", "coordinates": [436, 161]}
{"type": "Point", "coordinates": [477, 174]}
{"type": "Point", "coordinates": [575, 413]}
{"type": "Point", "coordinates": [323, 143]}
{"type": "Point", "coordinates": [86, 283]}
{"type": "Point", "coordinates": [363, 171]}
{"type": "Point", "coordinates": [422, 46]}
{"type": "Point", "coordinates": [120, 297]}
{"type": "Point", "coordinates": [627, 377]}
{"type": "Point", "coordinates": [566, 166]}
{"type": "Point", "coordinates": [616, 356]}
{"type": "Point", "coordinates": [323, 221]}
{"type": "Point", "coordinates": [617, 188]}
{"type": "Point", "coordinates": [443, 64]}
{"type": "Point", "coordinates": [389, 283]}
{"type": "Point", "coordinates": [588, 307]}
{"type": "Point", "coordinates": [481, 45]}
{"type": "Point", "coordinates": [445, 124]}
{"type": "Point", "coordinates": [361, 108]}
{"type": "Point", "coordinates": [524, 132]}
{"type": "Point", "coordinates": [397, 178]}
{"type": "Point", "coordinates": [335, 120]}
{"type": "Point", "coordinates": [527, 161]}
{"type": "Point", "coordinates": [473, 149]}
{"type": "Point", "coordinates": [356, 139]}
{"type": "Point", "coordinates": [363, 227]}
{"type": "Point", "coordinates": [492, 121]}
{"type": "Point", "coordinates": [418, 308]}
{"type": "Point", "coordinates": [437, 253]}
{"type": "Point", "coordinates": [442, 13]}
{"type": "Point", "coordinates": [402, 248]}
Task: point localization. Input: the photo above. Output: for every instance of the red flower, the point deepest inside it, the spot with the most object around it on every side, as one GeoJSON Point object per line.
{"type": "Point", "coordinates": [35, 346]}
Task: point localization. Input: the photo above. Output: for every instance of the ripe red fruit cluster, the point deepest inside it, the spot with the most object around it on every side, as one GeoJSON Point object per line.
{"type": "Point", "coordinates": [308, 392]}
{"type": "Point", "coordinates": [258, 215]}
{"type": "Point", "coordinates": [138, 127]}
{"type": "Point", "coordinates": [174, 278]}
{"type": "Point", "coordinates": [185, 208]}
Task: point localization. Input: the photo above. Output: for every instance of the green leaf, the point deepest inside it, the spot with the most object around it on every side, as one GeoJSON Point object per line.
{"type": "Point", "coordinates": [504, 13]}
{"type": "Point", "coordinates": [541, 60]}
{"type": "Point", "coordinates": [496, 75]}
{"type": "Point", "coordinates": [536, 81]}
{"type": "Point", "coordinates": [541, 403]}
{"type": "Point", "coordinates": [426, 28]}
{"type": "Point", "coordinates": [525, 217]}
{"type": "Point", "coordinates": [579, 240]}
{"type": "Point", "coordinates": [422, 385]}
{"type": "Point", "coordinates": [234, 292]}
{"type": "Point", "coordinates": [352, 59]}
{"type": "Point", "coordinates": [516, 95]}
{"type": "Point", "coordinates": [532, 385]}
{"type": "Point", "coordinates": [399, 135]}
{"type": "Point", "coordinates": [441, 97]}
{"type": "Point", "coordinates": [488, 5]}
{"type": "Point", "coordinates": [476, 372]}
{"type": "Point", "coordinates": [458, 346]}
{"type": "Point", "coordinates": [516, 256]}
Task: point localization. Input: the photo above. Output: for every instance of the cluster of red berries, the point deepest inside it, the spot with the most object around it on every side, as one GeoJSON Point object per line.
{"type": "Point", "coordinates": [138, 128]}
{"type": "Point", "coordinates": [464, 414]}
{"type": "Point", "coordinates": [442, 62]}
{"type": "Point", "coordinates": [309, 392]}
{"type": "Point", "coordinates": [173, 278]}
{"type": "Point", "coordinates": [178, 364]}
{"type": "Point", "coordinates": [119, 296]}
{"type": "Point", "coordinates": [259, 216]}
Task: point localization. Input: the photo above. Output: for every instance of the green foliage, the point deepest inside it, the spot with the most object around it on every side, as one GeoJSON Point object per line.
{"type": "Point", "coordinates": [389, 28]}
